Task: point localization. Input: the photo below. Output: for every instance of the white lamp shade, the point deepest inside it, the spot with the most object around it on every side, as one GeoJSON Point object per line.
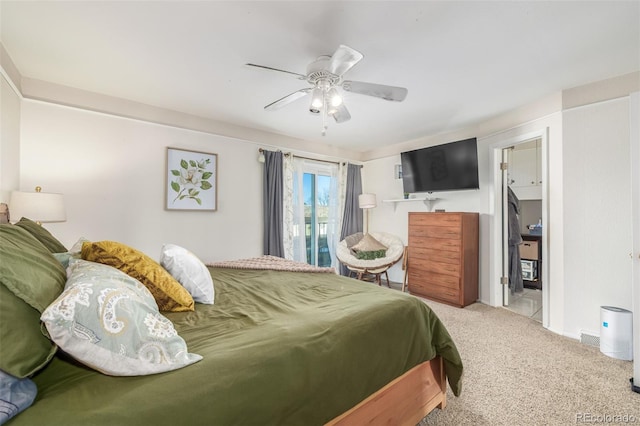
{"type": "Point", "coordinates": [37, 206]}
{"type": "Point", "coordinates": [367, 201]}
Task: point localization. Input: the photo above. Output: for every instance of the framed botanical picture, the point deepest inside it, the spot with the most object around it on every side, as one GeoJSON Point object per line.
{"type": "Point", "coordinates": [192, 180]}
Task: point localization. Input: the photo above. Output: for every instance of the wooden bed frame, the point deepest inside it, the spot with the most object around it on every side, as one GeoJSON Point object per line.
{"type": "Point", "coordinates": [404, 401]}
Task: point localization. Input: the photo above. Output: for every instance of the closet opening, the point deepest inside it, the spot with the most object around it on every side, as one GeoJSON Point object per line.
{"type": "Point", "coordinates": [502, 150]}
{"type": "Point", "coordinates": [522, 231]}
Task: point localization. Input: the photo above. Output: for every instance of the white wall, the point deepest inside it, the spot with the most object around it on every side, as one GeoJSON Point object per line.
{"type": "Point", "coordinates": [111, 171]}
{"type": "Point", "coordinates": [9, 140]}
{"type": "Point", "coordinates": [597, 215]}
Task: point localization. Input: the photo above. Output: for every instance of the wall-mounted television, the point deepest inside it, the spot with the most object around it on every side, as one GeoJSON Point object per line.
{"type": "Point", "coordinates": [448, 167]}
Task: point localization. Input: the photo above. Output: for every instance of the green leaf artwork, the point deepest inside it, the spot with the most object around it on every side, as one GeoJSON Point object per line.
{"type": "Point", "coordinates": [191, 179]}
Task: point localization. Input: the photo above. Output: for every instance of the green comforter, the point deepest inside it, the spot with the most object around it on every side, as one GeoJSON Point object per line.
{"type": "Point", "coordinates": [279, 348]}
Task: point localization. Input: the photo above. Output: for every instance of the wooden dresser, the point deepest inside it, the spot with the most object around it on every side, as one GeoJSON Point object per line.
{"type": "Point", "coordinates": [443, 257]}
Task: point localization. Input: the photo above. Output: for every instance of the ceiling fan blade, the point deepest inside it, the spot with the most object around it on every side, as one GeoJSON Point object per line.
{"type": "Point", "coordinates": [343, 60]}
{"type": "Point", "coordinates": [389, 93]}
{"type": "Point", "coordinates": [287, 99]}
{"type": "Point", "coordinates": [300, 76]}
{"type": "Point", "coordinates": [341, 114]}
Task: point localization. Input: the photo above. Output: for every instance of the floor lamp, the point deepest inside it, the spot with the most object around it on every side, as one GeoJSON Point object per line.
{"type": "Point", "coordinates": [366, 202]}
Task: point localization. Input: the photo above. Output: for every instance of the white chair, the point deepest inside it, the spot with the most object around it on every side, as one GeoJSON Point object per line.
{"type": "Point", "coordinates": [375, 267]}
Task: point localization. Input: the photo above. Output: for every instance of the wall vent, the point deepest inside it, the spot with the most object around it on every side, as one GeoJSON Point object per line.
{"type": "Point", "coordinates": [589, 339]}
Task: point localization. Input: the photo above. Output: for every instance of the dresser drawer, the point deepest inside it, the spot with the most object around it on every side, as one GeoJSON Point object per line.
{"type": "Point", "coordinates": [438, 244]}
{"type": "Point", "coordinates": [425, 265]}
{"type": "Point", "coordinates": [435, 219]}
{"type": "Point", "coordinates": [449, 232]}
{"type": "Point", "coordinates": [433, 291]}
{"type": "Point", "coordinates": [428, 278]}
{"type": "Point", "coordinates": [436, 252]}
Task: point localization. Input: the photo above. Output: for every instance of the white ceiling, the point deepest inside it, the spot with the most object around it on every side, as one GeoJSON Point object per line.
{"type": "Point", "coordinates": [462, 62]}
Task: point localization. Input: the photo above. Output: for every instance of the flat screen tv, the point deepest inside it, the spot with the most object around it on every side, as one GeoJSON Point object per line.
{"type": "Point", "coordinates": [448, 167]}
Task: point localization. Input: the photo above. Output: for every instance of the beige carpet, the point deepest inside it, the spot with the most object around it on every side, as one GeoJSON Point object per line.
{"type": "Point", "coordinates": [518, 373]}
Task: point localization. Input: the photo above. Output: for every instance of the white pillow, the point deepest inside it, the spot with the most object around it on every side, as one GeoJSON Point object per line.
{"type": "Point", "coordinates": [189, 271]}
{"type": "Point", "coordinates": [110, 322]}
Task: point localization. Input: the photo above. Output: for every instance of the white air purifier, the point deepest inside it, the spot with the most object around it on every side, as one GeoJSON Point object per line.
{"type": "Point", "coordinates": [616, 332]}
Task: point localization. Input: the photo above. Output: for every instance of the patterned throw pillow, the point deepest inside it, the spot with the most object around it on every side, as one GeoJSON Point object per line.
{"type": "Point", "coordinates": [169, 294]}
{"type": "Point", "coordinates": [369, 248]}
{"type": "Point", "coordinates": [110, 322]}
{"type": "Point", "coordinates": [185, 267]}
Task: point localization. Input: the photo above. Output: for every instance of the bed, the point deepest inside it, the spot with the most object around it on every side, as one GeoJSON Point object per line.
{"type": "Point", "coordinates": [277, 348]}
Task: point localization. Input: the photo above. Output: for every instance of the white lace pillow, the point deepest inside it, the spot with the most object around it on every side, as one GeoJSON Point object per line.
{"type": "Point", "coordinates": [110, 322]}
{"type": "Point", "coordinates": [189, 271]}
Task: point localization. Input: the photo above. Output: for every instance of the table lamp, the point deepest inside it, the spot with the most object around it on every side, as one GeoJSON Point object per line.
{"type": "Point", "coordinates": [41, 207]}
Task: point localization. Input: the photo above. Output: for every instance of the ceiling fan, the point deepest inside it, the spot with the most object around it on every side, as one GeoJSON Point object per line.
{"type": "Point", "coordinates": [325, 75]}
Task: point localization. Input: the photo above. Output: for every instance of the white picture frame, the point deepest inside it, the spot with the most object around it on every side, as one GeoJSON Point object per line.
{"type": "Point", "coordinates": [191, 180]}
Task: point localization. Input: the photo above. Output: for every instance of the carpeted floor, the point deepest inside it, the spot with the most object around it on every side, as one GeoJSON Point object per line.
{"type": "Point", "coordinates": [518, 373]}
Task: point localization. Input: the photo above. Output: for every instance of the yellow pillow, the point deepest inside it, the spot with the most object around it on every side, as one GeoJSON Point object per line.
{"type": "Point", "coordinates": [168, 293]}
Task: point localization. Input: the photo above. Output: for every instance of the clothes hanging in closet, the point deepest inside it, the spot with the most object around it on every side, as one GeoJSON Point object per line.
{"type": "Point", "coordinates": [515, 239]}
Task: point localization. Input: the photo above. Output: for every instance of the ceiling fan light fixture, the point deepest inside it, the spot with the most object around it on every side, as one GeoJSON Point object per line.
{"type": "Point", "coordinates": [325, 75]}
{"type": "Point", "coordinates": [317, 100]}
{"type": "Point", "coordinates": [334, 97]}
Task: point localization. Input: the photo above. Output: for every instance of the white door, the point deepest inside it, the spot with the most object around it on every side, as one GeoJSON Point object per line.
{"type": "Point", "coordinates": [635, 206]}
{"type": "Point", "coordinates": [505, 225]}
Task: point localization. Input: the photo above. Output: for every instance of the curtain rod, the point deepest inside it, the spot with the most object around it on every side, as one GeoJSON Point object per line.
{"type": "Point", "coordinates": [307, 158]}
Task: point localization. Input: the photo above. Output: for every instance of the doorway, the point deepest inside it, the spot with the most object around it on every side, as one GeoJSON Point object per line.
{"type": "Point", "coordinates": [522, 212]}
{"type": "Point", "coordinates": [499, 283]}
{"type": "Point", "coordinates": [315, 193]}
{"type": "Point", "coordinates": [315, 210]}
